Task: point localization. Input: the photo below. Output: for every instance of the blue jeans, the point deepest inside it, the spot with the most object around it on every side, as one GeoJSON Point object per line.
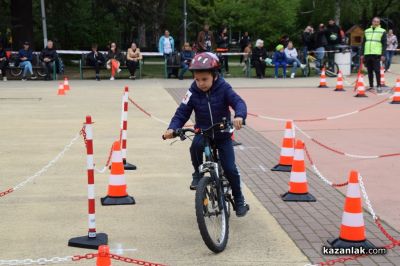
{"type": "Point", "coordinates": [305, 54]}
{"type": "Point", "coordinates": [184, 68]}
{"type": "Point", "coordinates": [227, 158]}
{"type": "Point", "coordinates": [388, 59]}
{"type": "Point", "coordinates": [26, 66]}
{"type": "Point", "coordinates": [295, 62]}
{"type": "Point", "coordinates": [319, 53]}
{"type": "Point", "coordinates": [277, 65]}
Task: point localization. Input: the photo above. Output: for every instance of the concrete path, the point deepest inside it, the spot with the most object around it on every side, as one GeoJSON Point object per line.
{"type": "Point", "coordinates": [38, 219]}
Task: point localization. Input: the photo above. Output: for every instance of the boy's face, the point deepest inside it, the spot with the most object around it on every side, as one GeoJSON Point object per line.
{"type": "Point", "coordinates": [204, 80]}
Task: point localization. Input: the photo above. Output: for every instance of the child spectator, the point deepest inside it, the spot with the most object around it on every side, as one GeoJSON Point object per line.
{"type": "Point", "coordinates": [258, 59]}
{"type": "Point", "coordinates": [247, 55]}
{"type": "Point", "coordinates": [186, 57]}
{"type": "Point", "coordinates": [133, 56]}
{"type": "Point", "coordinates": [279, 59]}
{"type": "Point", "coordinates": [25, 61]}
{"type": "Point", "coordinates": [3, 62]}
{"type": "Point", "coordinates": [48, 57]}
{"type": "Point", "coordinates": [95, 59]}
{"type": "Point", "coordinates": [114, 58]}
{"type": "Point", "coordinates": [291, 59]}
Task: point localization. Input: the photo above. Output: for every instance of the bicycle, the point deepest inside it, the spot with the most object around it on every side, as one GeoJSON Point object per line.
{"type": "Point", "coordinates": [311, 62]}
{"type": "Point", "coordinates": [213, 193]}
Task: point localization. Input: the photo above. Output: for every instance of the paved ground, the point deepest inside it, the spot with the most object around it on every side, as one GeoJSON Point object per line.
{"type": "Point", "coordinates": [38, 219]}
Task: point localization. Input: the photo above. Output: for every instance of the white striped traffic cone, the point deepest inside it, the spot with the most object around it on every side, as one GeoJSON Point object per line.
{"type": "Point", "coordinates": [287, 150]}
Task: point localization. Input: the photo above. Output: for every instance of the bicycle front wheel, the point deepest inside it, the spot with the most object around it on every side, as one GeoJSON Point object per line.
{"type": "Point", "coordinates": [212, 217]}
{"type": "Point", "coordinates": [332, 71]}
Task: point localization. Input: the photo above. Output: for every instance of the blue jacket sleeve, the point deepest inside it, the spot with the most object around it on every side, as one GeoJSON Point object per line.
{"type": "Point", "coordinates": [182, 114]}
{"type": "Point", "coordinates": [172, 44]}
{"type": "Point", "coordinates": [274, 58]}
{"type": "Point", "coordinates": [236, 102]}
{"type": "Point", "coordinates": [29, 53]}
{"type": "Point", "coordinates": [161, 44]}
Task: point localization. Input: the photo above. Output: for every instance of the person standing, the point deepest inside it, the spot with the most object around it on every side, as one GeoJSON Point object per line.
{"type": "Point", "coordinates": [166, 46]}
{"type": "Point", "coordinates": [334, 38]}
{"type": "Point", "coordinates": [391, 48]}
{"type": "Point", "coordinates": [307, 38]}
{"type": "Point", "coordinates": [48, 57]}
{"type": "Point", "coordinates": [114, 59]}
{"type": "Point", "coordinates": [244, 41]}
{"type": "Point", "coordinates": [133, 57]}
{"type": "Point", "coordinates": [320, 44]}
{"type": "Point", "coordinates": [95, 59]}
{"type": "Point", "coordinates": [223, 46]}
{"type": "Point", "coordinates": [205, 40]}
{"type": "Point", "coordinates": [3, 62]}
{"type": "Point", "coordinates": [373, 48]}
{"type": "Point", "coordinates": [25, 61]}
{"type": "Point", "coordinates": [258, 57]}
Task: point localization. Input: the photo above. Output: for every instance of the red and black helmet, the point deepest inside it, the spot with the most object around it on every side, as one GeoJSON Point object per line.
{"type": "Point", "coordinates": [204, 61]}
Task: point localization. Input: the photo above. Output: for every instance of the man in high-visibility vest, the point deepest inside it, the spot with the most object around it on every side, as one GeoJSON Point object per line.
{"type": "Point", "coordinates": [372, 51]}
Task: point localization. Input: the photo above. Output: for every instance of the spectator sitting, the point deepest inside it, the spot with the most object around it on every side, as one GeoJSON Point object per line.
{"type": "Point", "coordinates": [279, 60]}
{"type": "Point", "coordinates": [3, 62]}
{"type": "Point", "coordinates": [258, 59]}
{"type": "Point", "coordinates": [114, 59]}
{"type": "Point", "coordinates": [25, 61]}
{"type": "Point", "coordinates": [133, 56]}
{"type": "Point", "coordinates": [95, 59]}
{"type": "Point", "coordinates": [291, 59]}
{"type": "Point", "coordinates": [186, 57]}
{"type": "Point", "coordinates": [48, 57]}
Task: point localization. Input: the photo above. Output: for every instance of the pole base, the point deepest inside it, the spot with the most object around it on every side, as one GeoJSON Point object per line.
{"type": "Point", "coordinates": [341, 243]}
{"type": "Point", "coordinates": [360, 95]}
{"type": "Point", "coordinates": [282, 168]}
{"type": "Point", "coordinates": [307, 197]}
{"type": "Point", "coordinates": [395, 102]}
{"type": "Point", "coordinates": [339, 90]}
{"type": "Point", "coordinates": [235, 143]}
{"type": "Point", "coordinates": [89, 243]}
{"type": "Point", "coordinates": [128, 166]}
{"type": "Point", "coordinates": [127, 200]}
{"type": "Point", "coordinates": [323, 86]}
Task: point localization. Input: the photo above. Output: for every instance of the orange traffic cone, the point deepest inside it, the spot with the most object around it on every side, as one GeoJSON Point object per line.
{"type": "Point", "coordinates": [287, 150]}
{"type": "Point", "coordinates": [298, 187]}
{"type": "Point", "coordinates": [234, 142]}
{"type": "Point", "coordinates": [396, 96]}
{"type": "Point", "coordinates": [103, 256]}
{"type": "Point", "coordinates": [322, 81]}
{"type": "Point", "coordinates": [61, 89]}
{"type": "Point", "coordinates": [66, 84]}
{"type": "Point", "coordinates": [117, 194]}
{"type": "Point", "coordinates": [339, 82]}
{"type": "Point", "coordinates": [382, 74]}
{"type": "Point", "coordinates": [360, 87]}
{"type": "Point", "coordinates": [352, 229]}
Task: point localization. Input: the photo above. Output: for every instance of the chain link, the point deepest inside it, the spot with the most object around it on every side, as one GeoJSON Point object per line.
{"type": "Point", "coordinates": [133, 261]}
{"type": "Point", "coordinates": [365, 195]}
{"type": "Point", "coordinates": [2, 194]}
{"type": "Point", "coordinates": [39, 261]}
{"type": "Point", "coordinates": [83, 133]}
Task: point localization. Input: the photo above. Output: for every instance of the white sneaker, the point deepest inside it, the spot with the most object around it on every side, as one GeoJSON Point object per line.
{"type": "Point", "coordinates": [302, 66]}
{"type": "Point", "coordinates": [4, 78]}
{"type": "Point", "coordinates": [292, 76]}
{"type": "Point", "coordinates": [112, 78]}
{"type": "Point", "coordinates": [119, 70]}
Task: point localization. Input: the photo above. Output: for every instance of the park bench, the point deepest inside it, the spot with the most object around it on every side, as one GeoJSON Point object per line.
{"type": "Point", "coordinates": [16, 71]}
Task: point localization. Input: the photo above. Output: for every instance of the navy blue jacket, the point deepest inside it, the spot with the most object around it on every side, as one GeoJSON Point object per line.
{"type": "Point", "coordinates": [209, 107]}
{"type": "Point", "coordinates": [26, 53]}
{"type": "Point", "coordinates": [279, 57]}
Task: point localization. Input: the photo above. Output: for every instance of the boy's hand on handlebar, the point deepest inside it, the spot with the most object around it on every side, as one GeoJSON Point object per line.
{"type": "Point", "coordinates": [238, 123]}
{"type": "Point", "coordinates": [169, 134]}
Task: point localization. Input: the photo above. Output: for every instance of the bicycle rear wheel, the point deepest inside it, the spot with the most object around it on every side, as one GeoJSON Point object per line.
{"type": "Point", "coordinates": [212, 217]}
{"type": "Point", "coordinates": [332, 71]}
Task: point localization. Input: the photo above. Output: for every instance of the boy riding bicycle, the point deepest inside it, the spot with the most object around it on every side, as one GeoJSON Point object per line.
{"type": "Point", "coordinates": [210, 96]}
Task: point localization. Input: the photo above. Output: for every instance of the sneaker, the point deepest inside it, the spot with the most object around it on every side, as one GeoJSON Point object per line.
{"type": "Point", "coordinates": [97, 78]}
{"type": "Point", "coordinates": [195, 181]}
{"type": "Point", "coordinates": [302, 66]}
{"type": "Point", "coordinates": [379, 89]}
{"type": "Point", "coordinates": [227, 74]}
{"type": "Point", "coordinates": [112, 78]}
{"type": "Point", "coordinates": [292, 76]}
{"type": "Point", "coordinates": [180, 78]}
{"type": "Point", "coordinates": [242, 209]}
{"type": "Point", "coordinates": [4, 78]}
{"type": "Point", "coordinates": [33, 77]}
{"type": "Point", "coordinates": [119, 70]}
{"type": "Point", "coordinates": [23, 79]}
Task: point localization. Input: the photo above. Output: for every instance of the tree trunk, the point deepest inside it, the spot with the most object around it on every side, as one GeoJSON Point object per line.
{"type": "Point", "coordinates": [337, 12]}
{"type": "Point", "coordinates": [142, 35]}
{"type": "Point", "coordinates": [21, 22]}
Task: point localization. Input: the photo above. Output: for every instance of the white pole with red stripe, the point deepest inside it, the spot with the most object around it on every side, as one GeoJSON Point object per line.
{"type": "Point", "coordinates": [93, 239]}
{"type": "Point", "coordinates": [124, 129]}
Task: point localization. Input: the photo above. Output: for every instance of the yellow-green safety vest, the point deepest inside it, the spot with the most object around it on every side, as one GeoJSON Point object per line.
{"type": "Point", "coordinates": [373, 40]}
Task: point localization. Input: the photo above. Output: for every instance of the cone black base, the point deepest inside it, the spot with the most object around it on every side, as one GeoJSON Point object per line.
{"type": "Point", "coordinates": [235, 143]}
{"type": "Point", "coordinates": [128, 166]}
{"type": "Point", "coordinates": [89, 243]}
{"type": "Point", "coordinates": [341, 243]}
{"type": "Point", "coordinates": [360, 95]}
{"type": "Point", "coordinates": [339, 90]}
{"type": "Point", "coordinates": [395, 102]}
{"type": "Point", "coordinates": [282, 168]}
{"type": "Point", "coordinates": [127, 200]}
{"type": "Point", "coordinates": [298, 197]}
{"type": "Point", "coordinates": [323, 86]}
